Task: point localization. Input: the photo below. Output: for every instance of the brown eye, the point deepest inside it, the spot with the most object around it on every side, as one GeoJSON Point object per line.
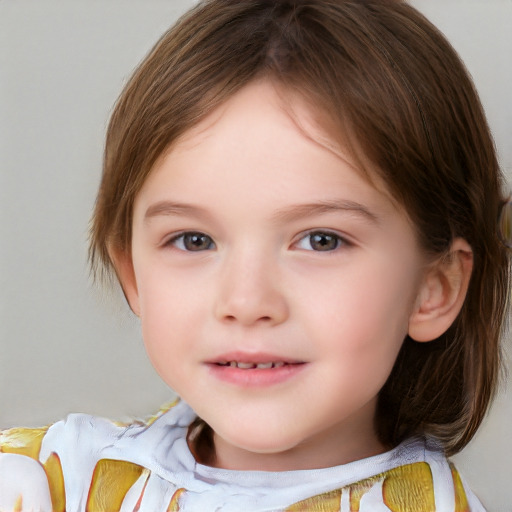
{"type": "Point", "coordinates": [193, 241]}
{"type": "Point", "coordinates": [321, 241]}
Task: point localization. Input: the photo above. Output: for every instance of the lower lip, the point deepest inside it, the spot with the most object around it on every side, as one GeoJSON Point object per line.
{"type": "Point", "coordinates": [256, 377]}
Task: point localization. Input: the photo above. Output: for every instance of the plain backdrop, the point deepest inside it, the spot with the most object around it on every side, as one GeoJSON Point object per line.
{"type": "Point", "coordinates": [67, 346]}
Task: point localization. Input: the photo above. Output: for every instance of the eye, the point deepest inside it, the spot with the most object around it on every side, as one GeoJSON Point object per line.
{"type": "Point", "coordinates": [192, 241]}
{"type": "Point", "coordinates": [321, 241]}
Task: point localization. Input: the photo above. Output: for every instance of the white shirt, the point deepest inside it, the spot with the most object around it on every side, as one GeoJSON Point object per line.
{"type": "Point", "coordinates": [149, 465]}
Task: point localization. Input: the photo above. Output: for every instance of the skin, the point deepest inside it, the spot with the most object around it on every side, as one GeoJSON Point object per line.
{"type": "Point", "coordinates": [296, 256]}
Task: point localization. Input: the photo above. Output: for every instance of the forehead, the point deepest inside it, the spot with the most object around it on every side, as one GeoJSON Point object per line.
{"type": "Point", "coordinates": [282, 108]}
{"type": "Point", "coordinates": [266, 147]}
{"type": "Point", "coordinates": [259, 99]}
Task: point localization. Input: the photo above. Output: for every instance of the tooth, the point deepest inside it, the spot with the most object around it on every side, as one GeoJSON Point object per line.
{"type": "Point", "coordinates": [232, 364]}
{"type": "Point", "coordinates": [246, 366]}
{"type": "Point", "coordinates": [278, 365]}
{"type": "Point", "coordinates": [263, 366]}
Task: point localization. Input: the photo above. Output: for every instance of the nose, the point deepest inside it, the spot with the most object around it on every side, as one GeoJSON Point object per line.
{"type": "Point", "coordinates": [250, 292]}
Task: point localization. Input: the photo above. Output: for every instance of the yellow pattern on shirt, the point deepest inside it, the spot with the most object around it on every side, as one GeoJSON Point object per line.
{"type": "Point", "coordinates": [407, 488]}
{"type": "Point", "coordinates": [111, 481]}
{"type": "Point", "coordinates": [55, 477]}
{"type": "Point", "coordinates": [22, 441]}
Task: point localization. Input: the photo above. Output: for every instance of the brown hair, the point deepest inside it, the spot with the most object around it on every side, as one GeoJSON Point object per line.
{"type": "Point", "coordinates": [398, 93]}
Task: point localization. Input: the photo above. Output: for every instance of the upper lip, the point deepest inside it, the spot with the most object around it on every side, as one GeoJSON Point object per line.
{"type": "Point", "coordinates": [256, 358]}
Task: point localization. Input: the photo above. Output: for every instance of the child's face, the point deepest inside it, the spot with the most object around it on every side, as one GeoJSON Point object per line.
{"type": "Point", "coordinates": [255, 244]}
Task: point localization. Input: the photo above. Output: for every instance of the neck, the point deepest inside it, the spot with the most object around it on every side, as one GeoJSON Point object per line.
{"type": "Point", "coordinates": [339, 445]}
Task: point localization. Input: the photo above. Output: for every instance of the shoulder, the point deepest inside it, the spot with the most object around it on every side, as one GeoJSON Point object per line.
{"type": "Point", "coordinates": [24, 481]}
{"type": "Point", "coordinates": [57, 467]}
{"type": "Point", "coordinates": [414, 477]}
{"type": "Point", "coordinates": [427, 472]}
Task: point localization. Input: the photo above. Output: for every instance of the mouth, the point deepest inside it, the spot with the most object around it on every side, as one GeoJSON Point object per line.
{"type": "Point", "coordinates": [256, 366]}
{"type": "Point", "coordinates": [255, 370]}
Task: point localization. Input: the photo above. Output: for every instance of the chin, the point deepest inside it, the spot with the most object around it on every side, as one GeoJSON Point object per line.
{"type": "Point", "coordinates": [260, 442]}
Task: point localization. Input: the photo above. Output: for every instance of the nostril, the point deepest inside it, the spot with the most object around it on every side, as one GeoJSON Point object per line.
{"type": "Point", "coordinates": [251, 310]}
{"type": "Point", "coordinates": [232, 318]}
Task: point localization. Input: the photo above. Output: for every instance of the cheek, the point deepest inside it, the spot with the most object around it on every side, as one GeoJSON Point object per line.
{"type": "Point", "coordinates": [361, 296]}
{"type": "Point", "coordinates": [174, 308]}
{"type": "Point", "coordinates": [361, 317]}
{"type": "Point", "coordinates": [167, 338]}
{"type": "Point", "coordinates": [166, 296]}
{"type": "Point", "coordinates": [165, 315]}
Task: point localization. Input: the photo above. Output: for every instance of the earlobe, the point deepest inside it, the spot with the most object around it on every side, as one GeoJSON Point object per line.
{"type": "Point", "coordinates": [123, 265]}
{"type": "Point", "coordinates": [442, 293]}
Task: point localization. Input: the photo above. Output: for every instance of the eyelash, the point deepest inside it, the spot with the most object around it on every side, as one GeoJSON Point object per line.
{"type": "Point", "coordinates": [336, 238]}
{"type": "Point", "coordinates": [180, 241]}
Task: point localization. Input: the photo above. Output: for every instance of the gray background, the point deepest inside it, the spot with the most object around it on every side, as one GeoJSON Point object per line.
{"type": "Point", "coordinates": [67, 346]}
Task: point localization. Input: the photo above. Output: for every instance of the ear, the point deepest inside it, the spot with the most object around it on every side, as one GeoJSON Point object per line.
{"type": "Point", "coordinates": [125, 272]}
{"type": "Point", "coordinates": [442, 293]}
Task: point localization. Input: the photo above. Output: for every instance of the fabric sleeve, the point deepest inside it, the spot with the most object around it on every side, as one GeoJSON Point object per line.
{"type": "Point", "coordinates": [465, 500]}
{"type": "Point", "coordinates": [24, 481]}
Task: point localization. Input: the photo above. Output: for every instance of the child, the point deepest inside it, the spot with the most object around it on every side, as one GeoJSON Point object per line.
{"type": "Point", "coordinates": [301, 203]}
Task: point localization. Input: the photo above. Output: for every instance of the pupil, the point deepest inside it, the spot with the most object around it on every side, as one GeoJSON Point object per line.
{"type": "Point", "coordinates": [323, 242]}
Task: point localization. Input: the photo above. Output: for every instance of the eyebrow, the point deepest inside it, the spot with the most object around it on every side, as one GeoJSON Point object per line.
{"type": "Point", "coordinates": [293, 212]}
{"type": "Point", "coordinates": [168, 208]}
{"type": "Point", "coordinates": [334, 206]}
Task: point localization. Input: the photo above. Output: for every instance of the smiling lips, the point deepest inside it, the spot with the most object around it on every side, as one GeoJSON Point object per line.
{"type": "Point", "coordinates": [253, 361]}
{"type": "Point", "coordinates": [251, 366]}
{"type": "Point", "coordinates": [249, 370]}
